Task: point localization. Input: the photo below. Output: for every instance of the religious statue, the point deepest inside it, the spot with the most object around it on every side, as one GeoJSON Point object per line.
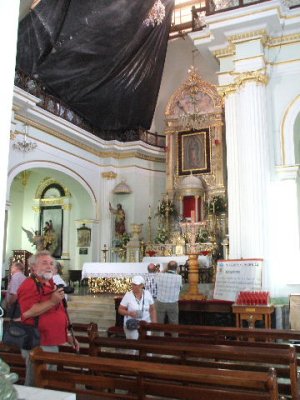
{"type": "Point", "coordinates": [47, 241]}
{"type": "Point", "coordinates": [119, 219]}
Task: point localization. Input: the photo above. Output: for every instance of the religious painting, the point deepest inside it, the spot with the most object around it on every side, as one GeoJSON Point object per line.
{"type": "Point", "coordinates": [83, 236]}
{"type": "Point", "coordinates": [194, 152]}
{"type": "Point", "coordinates": [51, 229]}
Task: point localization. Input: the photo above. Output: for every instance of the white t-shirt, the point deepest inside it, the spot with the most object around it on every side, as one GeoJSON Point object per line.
{"type": "Point", "coordinates": [132, 304]}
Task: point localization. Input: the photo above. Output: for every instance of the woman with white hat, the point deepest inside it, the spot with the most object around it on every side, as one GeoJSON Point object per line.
{"type": "Point", "coordinates": [137, 304]}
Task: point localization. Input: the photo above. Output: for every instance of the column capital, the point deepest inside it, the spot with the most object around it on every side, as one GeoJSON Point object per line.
{"type": "Point", "coordinates": [260, 77]}
{"type": "Point", "coordinates": [226, 90]}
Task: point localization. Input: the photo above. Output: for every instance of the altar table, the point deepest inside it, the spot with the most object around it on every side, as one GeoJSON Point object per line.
{"type": "Point", "coordinates": [112, 277]}
{"type": "Point", "coordinates": [113, 270]}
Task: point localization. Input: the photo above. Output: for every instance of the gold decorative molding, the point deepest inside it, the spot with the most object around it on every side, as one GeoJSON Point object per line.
{"type": "Point", "coordinates": [226, 90]}
{"type": "Point", "coordinates": [109, 175]}
{"type": "Point", "coordinates": [47, 182]}
{"type": "Point", "coordinates": [283, 40]}
{"type": "Point", "coordinates": [225, 52]}
{"type": "Point", "coordinates": [67, 207]}
{"type": "Point", "coordinates": [185, 99]}
{"type": "Point", "coordinates": [249, 36]}
{"type": "Point", "coordinates": [36, 209]}
{"type": "Point", "coordinates": [256, 76]}
{"type": "Point", "coordinates": [24, 177]}
{"type": "Point", "coordinates": [57, 201]}
{"type": "Point", "coordinates": [92, 150]}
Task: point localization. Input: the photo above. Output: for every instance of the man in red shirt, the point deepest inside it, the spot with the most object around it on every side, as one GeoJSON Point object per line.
{"type": "Point", "coordinates": [39, 297]}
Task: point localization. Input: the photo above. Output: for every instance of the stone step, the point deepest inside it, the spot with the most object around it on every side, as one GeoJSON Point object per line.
{"type": "Point", "coordinates": [90, 308]}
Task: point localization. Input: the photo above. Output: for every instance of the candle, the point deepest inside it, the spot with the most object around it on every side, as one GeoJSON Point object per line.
{"type": "Point", "coordinates": [193, 215]}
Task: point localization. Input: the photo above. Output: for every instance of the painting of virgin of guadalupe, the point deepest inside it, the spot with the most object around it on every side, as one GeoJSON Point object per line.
{"type": "Point", "coordinates": [193, 152]}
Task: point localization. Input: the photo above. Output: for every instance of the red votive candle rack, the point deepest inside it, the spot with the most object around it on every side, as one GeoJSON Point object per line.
{"type": "Point", "coordinates": [253, 298]}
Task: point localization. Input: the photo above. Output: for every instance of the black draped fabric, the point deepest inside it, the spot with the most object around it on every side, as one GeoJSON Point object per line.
{"type": "Point", "coordinates": [98, 57]}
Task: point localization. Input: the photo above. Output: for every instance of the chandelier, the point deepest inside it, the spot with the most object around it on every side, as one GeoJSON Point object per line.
{"type": "Point", "coordinates": [24, 145]}
{"type": "Point", "coordinates": [156, 14]}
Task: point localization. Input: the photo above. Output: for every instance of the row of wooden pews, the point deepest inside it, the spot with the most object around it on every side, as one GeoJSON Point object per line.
{"type": "Point", "coordinates": [168, 361]}
{"type": "Point", "coordinates": [108, 378]}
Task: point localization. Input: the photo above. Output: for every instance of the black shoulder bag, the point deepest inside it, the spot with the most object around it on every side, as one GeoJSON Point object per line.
{"type": "Point", "coordinates": [21, 335]}
{"type": "Point", "coordinates": [134, 323]}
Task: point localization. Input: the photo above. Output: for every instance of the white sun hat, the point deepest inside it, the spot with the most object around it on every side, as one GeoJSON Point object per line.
{"type": "Point", "coordinates": [138, 280]}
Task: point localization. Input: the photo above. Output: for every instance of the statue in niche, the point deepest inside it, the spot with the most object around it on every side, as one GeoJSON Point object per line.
{"type": "Point", "coordinates": [119, 219]}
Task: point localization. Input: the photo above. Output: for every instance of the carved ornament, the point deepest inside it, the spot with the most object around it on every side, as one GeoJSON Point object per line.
{"type": "Point", "coordinates": [47, 182]}
{"type": "Point", "coordinates": [109, 175]}
{"type": "Point", "coordinates": [195, 100]}
{"type": "Point", "coordinates": [256, 76]}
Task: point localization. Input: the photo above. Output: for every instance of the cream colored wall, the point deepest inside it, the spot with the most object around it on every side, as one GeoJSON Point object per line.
{"type": "Point", "coordinates": [79, 161]}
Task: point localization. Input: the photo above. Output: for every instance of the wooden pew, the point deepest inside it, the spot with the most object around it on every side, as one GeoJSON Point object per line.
{"type": "Point", "coordinates": [13, 357]}
{"type": "Point", "coordinates": [206, 355]}
{"type": "Point", "coordinates": [217, 332]}
{"type": "Point", "coordinates": [106, 378]}
{"type": "Point", "coordinates": [83, 333]}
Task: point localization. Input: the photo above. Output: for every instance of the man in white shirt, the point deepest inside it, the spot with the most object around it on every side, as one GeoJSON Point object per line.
{"type": "Point", "coordinates": [169, 284]}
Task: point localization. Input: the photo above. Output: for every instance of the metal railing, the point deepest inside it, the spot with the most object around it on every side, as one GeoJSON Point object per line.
{"type": "Point", "coordinates": [190, 16]}
{"type": "Point", "coordinates": [60, 109]}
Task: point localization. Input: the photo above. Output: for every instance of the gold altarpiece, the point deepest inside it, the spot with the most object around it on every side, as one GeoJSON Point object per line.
{"type": "Point", "coordinates": [195, 108]}
{"type": "Point", "coordinates": [195, 149]}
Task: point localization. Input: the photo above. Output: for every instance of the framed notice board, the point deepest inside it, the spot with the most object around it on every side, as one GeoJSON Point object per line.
{"type": "Point", "coordinates": [234, 276]}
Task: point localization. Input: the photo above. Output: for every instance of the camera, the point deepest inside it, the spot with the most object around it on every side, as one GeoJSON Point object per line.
{"type": "Point", "coordinates": [67, 289]}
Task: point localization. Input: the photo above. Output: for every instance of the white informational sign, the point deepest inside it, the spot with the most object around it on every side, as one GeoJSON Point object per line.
{"type": "Point", "coordinates": [234, 276]}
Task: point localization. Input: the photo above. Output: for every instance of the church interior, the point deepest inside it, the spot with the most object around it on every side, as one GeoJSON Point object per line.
{"type": "Point", "coordinates": [149, 131]}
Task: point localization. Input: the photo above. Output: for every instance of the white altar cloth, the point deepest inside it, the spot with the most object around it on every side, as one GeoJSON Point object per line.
{"type": "Point", "coordinates": [204, 261]}
{"type": "Point", "coordinates": [113, 270]}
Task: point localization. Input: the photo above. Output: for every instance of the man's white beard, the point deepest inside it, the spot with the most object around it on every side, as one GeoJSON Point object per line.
{"type": "Point", "coordinates": [46, 275]}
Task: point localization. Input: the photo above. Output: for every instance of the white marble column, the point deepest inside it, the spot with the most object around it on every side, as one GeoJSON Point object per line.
{"type": "Point", "coordinates": [108, 182]}
{"type": "Point", "coordinates": [8, 34]}
{"type": "Point", "coordinates": [233, 174]}
{"type": "Point", "coordinates": [253, 166]}
{"type": "Point", "coordinates": [66, 230]}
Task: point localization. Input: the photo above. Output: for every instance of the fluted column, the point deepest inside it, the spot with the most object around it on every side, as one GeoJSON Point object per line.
{"type": "Point", "coordinates": [234, 217]}
{"type": "Point", "coordinates": [253, 162]}
{"type": "Point", "coordinates": [107, 184]}
{"type": "Point", "coordinates": [66, 231]}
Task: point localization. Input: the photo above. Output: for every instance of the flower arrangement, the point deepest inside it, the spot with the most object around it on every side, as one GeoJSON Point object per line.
{"type": "Point", "coordinates": [202, 236]}
{"type": "Point", "coordinates": [217, 205]}
{"type": "Point", "coordinates": [162, 235]}
{"type": "Point", "coordinates": [166, 207]}
{"type": "Point", "coordinates": [122, 240]}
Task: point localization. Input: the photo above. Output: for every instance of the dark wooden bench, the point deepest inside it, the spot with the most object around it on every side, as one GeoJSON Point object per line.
{"type": "Point", "coordinates": [221, 335]}
{"type": "Point", "coordinates": [13, 357]}
{"type": "Point", "coordinates": [107, 378]}
{"type": "Point", "coordinates": [206, 355]}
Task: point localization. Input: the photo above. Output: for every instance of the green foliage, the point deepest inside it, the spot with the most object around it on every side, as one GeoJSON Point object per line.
{"type": "Point", "coordinates": [162, 235]}
{"type": "Point", "coordinates": [166, 207]}
{"type": "Point", "coordinates": [122, 240]}
{"type": "Point", "coordinates": [202, 236]}
{"type": "Point", "coordinates": [217, 205]}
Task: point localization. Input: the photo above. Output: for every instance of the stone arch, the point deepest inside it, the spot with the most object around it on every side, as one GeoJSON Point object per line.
{"type": "Point", "coordinates": [288, 140]}
{"type": "Point", "coordinates": [16, 170]}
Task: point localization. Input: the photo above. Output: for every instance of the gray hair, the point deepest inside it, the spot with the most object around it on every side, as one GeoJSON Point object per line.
{"type": "Point", "coordinates": [19, 265]}
{"type": "Point", "coordinates": [32, 260]}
